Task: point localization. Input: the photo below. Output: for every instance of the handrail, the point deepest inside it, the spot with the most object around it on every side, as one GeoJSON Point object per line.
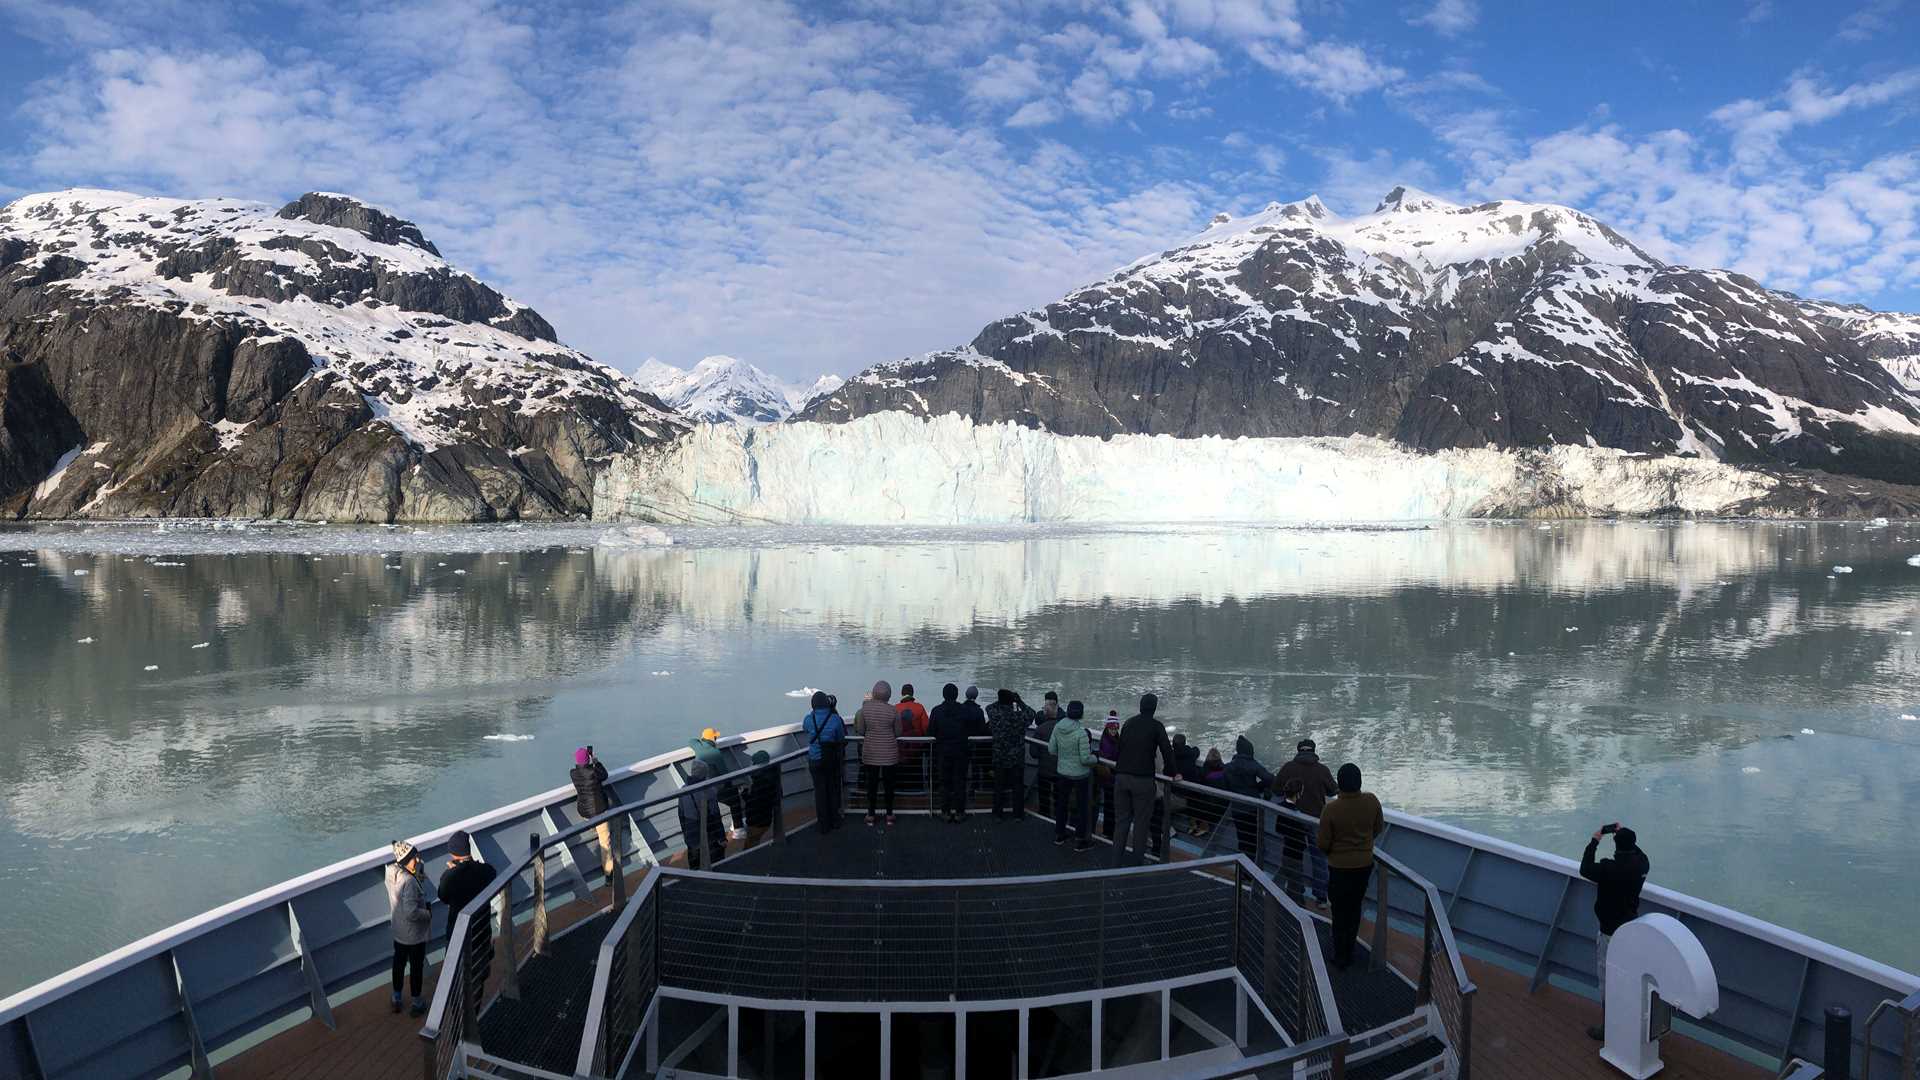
{"type": "Point", "coordinates": [602, 972]}
{"type": "Point", "coordinates": [1909, 1010]}
{"type": "Point", "coordinates": [161, 941]}
{"type": "Point", "coordinates": [436, 1017]}
{"type": "Point", "coordinates": [1335, 1044]}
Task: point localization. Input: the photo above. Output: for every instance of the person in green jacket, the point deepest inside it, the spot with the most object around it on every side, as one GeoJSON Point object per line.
{"type": "Point", "coordinates": [1071, 746]}
{"type": "Point", "coordinates": [706, 749]}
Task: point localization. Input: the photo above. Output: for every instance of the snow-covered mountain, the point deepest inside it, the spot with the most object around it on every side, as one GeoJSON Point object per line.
{"type": "Point", "coordinates": [726, 390]}
{"type": "Point", "coordinates": [216, 358]}
{"type": "Point", "coordinates": [1506, 324]}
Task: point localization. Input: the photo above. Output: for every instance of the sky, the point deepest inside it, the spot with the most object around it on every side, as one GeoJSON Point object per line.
{"type": "Point", "coordinates": [819, 187]}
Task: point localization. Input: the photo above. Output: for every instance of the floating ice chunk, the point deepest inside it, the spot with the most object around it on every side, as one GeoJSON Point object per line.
{"type": "Point", "coordinates": [1881, 522]}
{"type": "Point", "coordinates": [1843, 569]}
{"type": "Point", "coordinates": [456, 571]}
{"type": "Point", "coordinates": [151, 667]}
{"type": "Point", "coordinates": [1806, 731]}
{"type": "Point", "coordinates": [1751, 769]}
{"type": "Point", "coordinates": [804, 692]}
{"type": "Point", "coordinates": [81, 573]}
{"type": "Point", "coordinates": [1571, 629]}
{"type": "Point", "coordinates": [1913, 560]}
{"type": "Point", "coordinates": [1908, 716]}
{"type": "Point", "coordinates": [507, 737]}
{"type": "Point", "coordinates": [203, 644]}
{"type": "Point", "coordinates": [632, 536]}
{"type": "Point", "coordinates": [84, 641]}
{"type": "Point", "coordinates": [439, 564]}
{"type": "Point", "coordinates": [662, 673]}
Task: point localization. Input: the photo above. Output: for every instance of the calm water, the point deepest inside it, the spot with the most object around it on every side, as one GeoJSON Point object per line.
{"type": "Point", "coordinates": [1716, 685]}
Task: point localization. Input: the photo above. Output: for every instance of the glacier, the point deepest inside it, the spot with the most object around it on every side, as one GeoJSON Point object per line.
{"type": "Point", "coordinates": [894, 468]}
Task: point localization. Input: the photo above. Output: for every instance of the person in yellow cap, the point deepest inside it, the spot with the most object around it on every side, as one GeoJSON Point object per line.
{"type": "Point", "coordinates": [706, 749]}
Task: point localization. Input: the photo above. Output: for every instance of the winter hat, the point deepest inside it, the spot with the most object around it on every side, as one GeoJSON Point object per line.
{"type": "Point", "coordinates": [460, 845]}
{"type": "Point", "coordinates": [1305, 746]}
{"type": "Point", "coordinates": [906, 690]}
{"type": "Point", "coordinates": [882, 690]}
{"type": "Point", "coordinates": [1243, 745]}
{"type": "Point", "coordinates": [972, 692]}
{"type": "Point", "coordinates": [1113, 714]}
{"type": "Point", "coordinates": [820, 699]}
{"type": "Point", "coordinates": [1179, 741]}
{"type": "Point", "coordinates": [1005, 697]}
{"type": "Point", "coordinates": [1148, 703]}
{"type": "Point", "coordinates": [760, 757]}
{"type": "Point", "coordinates": [949, 692]}
{"type": "Point", "coordinates": [1075, 710]}
{"type": "Point", "coordinates": [1349, 777]}
{"type": "Point", "coordinates": [710, 734]}
{"type": "Point", "coordinates": [1624, 839]}
{"type": "Point", "coordinates": [582, 756]}
{"type": "Point", "coordinates": [403, 852]}
{"type": "Point", "coordinates": [1113, 726]}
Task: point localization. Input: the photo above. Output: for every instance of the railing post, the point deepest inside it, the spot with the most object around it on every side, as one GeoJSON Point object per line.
{"type": "Point", "coordinates": [1100, 953]}
{"type": "Point", "coordinates": [1466, 1035]}
{"type": "Point", "coordinates": [539, 897]}
{"type": "Point", "coordinates": [1378, 959]}
{"type": "Point", "coordinates": [508, 946]}
{"type": "Point", "coordinates": [780, 805]}
{"type": "Point", "coordinates": [1425, 993]}
{"type": "Point", "coordinates": [619, 874]}
{"type": "Point", "coordinates": [1239, 885]}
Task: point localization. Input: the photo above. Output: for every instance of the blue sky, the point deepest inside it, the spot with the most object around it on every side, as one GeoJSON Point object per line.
{"type": "Point", "coordinates": [819, 187]}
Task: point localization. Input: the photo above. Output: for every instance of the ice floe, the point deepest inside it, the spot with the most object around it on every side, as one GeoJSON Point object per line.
{"type": "Point", "coordinates": [804, 692]}
{"type": "Point", "coordinates": [507, 737]}
{"type": "Point", "coordinates": [1843, 569]}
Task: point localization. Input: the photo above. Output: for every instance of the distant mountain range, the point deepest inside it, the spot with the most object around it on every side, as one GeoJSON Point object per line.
{"type": "Point", "coordinates": [320, 360]}
{"type": "Point", "coordinates": [216, 358]}
{"type": "Point", "coordinates": [725, 390]}
{"type": "Point", "coordinates": [1505, 324]}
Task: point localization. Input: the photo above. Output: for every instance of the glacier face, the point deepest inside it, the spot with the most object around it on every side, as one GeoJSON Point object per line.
{"type": "Point", "coordinates": [892, 468]}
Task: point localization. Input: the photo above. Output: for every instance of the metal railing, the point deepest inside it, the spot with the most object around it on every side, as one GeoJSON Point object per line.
{"type": "Point", "coordinates": [831, 946]}
{"type": "Point", "coordinates": [464, 992]}
{"type": "Point", "coordinates": [1908, 1010]}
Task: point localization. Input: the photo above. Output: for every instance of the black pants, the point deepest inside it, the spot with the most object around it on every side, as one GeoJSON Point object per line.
{"type": "Point", "coordinates": [878, 775]}
{"type": "Point", "coordinates": [826, 791]}
{"type": "Point", "coordinates": [1044, 785]}
{"type": "Point", "coordinates": [1346, 890]}
{"type": "Point", "coordinates": [405, 956]}
{"type": "Point", "coordinates": [1009, 789]}
{"type": "Point", "coordinates": [953, 781]}
{"type": "Point", "coordinates": [735, 802]}
{"type": "Point", "coordinates": [716, 845]}
{"type": "Point", "coordinates": [1106, 807]}
{"type": "Point", "coordinates": [1246, 831]}
{"type": "Point", "coordinates": [1073, 805]}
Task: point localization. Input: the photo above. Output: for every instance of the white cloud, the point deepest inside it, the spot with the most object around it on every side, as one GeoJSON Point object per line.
{"type": "Point", "coordinates": [1758, 126]}
{"type": "Point", "coordinates": [1002, 80]}
{"type": "Point", "coordinates": [1872, 18]}
{"type": "Point", "coordinates": [1334, 70]}
{"type": "Point", "coordinates": [1450, 17]}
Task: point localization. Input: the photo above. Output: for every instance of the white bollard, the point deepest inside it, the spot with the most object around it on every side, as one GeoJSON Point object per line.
{"type": "Point", "coordinates": [1653, 953]}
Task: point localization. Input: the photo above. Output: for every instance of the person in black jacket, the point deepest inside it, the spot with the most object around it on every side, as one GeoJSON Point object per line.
{"type": "Point", "coordinates": [465, 878]}
{"type": "Point", "coordinates": [948, 725]}
{"type": "Point", "coordinates": [1616, 902]}
{"type": "Point", "coordinates": [979, 754]}
{"type": "Point", "coordinates": [1134, 788]}
{"type": "Point", "coordinates": [763, 797]}
{"type": "Point", "coordinates": [1246, 776]}
{"type": "Point", "coordinates": [590, 800]}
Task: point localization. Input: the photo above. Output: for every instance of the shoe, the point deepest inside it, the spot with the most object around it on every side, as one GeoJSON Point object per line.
{"type": "Point", "coordinates": [1597, 1034]}
{"type": "Point", "coordinates": [394, 1005]}
{"type": "Point", "coordinates": [889, 820]}
{"type": "Point", "coordinates": [1078, 848]}
{"type": "Point", "coordinates": [870, 820]}
{"type": "Point", "coordinates": [419, 1007]}
{"type": "Point", "coordinates": [1058, 840]}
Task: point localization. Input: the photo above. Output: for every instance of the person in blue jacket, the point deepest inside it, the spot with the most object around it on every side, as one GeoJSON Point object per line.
{"type": "Point", "coordinates": [825, 734]}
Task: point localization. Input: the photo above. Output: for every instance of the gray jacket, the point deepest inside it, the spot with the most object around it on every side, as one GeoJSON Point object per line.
{"type": "Point", "coordinates": [410, 899]}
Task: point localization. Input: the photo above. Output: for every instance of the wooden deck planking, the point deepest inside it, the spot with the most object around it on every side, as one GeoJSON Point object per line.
{"type": "Point", "coordinates": [1517, 1035]}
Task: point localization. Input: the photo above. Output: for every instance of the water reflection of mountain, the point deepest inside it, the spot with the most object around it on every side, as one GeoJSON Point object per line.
{"type": "Point", "coordinates": [323, 682]}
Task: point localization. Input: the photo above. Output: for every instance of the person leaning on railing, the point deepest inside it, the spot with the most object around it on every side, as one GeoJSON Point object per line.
{"type": "Point", "coordinates": [701, 803]}
{"type": "Point", "coordinates": [763, 797]}
{"type": "Point", "coordinates": [1347, 830]}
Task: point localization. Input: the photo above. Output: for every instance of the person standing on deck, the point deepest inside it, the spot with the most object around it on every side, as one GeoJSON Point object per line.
{"type": "Point", "coordinates": [913, 725]}
{"type": "Point", "coordinates": [1008, 718]}
{"type": "Point", "coordinates": [825, 735]}
{"type": "Point", "coordinates": [878, 725]}
{"type": "Point", "coordinates": [1135, 791]}
{"type": "Point", "coordinates": [590, 800]}
{"type": "Point", "coordinates": [707, 749]}
{"type": "Point", "coordinates": [1316, 784]}
{"type": "Point", "coordinates": [465, 878]}
{"type": "Point", "coordinates": [1347, 830]}
{"type": "Point", "coordinates": [979, 754]}
{"type": "Point", "coordinates": [1071, 747]}
{"type": "Point", "coordinates": [1294, 841]}
{"type": "Point", "coordinates": [948, 723]}
{"type": "Point", "coordinates": [1045, 774]}
{"type": "Point", "coordinates": [1109, 748]}
{"type": "Point", "coordinates": [1616, 901]}
{"type": "Point", "coordinates": [410, 903]}
{"type": "Point", "coordinates": [1246, 776]}
{"type": "Point", "coordinates": [763, 797]}
{"type": "Point", "coordinates": [697, 803]}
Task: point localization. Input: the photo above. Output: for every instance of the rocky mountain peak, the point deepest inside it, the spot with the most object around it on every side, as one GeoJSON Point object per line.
{"type": "Point", "coordinates": [729, 390]}
{"type": "Point", "coordinates": [1408, 200]}
{"type": "Point", "coordinates": [347, 212]}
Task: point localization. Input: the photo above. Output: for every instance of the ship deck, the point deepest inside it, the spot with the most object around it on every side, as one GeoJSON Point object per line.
{"type": "Point", "coordinates": [1519, 1035]}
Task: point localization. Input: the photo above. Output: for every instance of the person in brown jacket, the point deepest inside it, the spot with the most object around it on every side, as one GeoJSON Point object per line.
{"type": "Point", "coordinates": [878, 725]}
{"type": "Point", "coordinates": [1347, 828]}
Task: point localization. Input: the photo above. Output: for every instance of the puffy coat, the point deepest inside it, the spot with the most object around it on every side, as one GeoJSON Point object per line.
{"type": "Point", "coordinates": [410, 899]}
{"type": "Point", "coordinates": [590, 789]}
